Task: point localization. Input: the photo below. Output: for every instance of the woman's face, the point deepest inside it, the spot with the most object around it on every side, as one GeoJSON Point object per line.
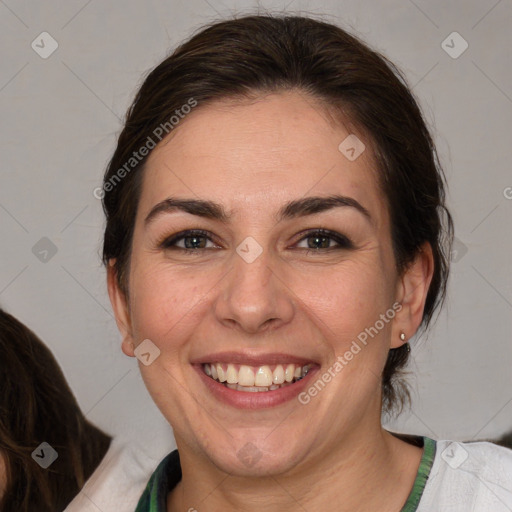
{"type": "Point", "coordinates": [258, 287]}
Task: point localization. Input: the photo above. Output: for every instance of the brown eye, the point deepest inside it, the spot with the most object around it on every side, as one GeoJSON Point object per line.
{"type": "Point", "coordinates": [190, 240]}
{"type": "Point", "coordinates": [194, 242]}
{"type": "Point", "coordinates": [318, 242]}
{"type": "Point", "coordinates": [325, 239]}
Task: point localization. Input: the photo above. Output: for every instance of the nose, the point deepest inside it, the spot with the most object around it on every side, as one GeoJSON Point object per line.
{"type": "Point", "coordinates": [254, 296]}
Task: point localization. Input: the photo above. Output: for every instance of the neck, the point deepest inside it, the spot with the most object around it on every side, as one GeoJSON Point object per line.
{"type": "Point", "coordinates": [365, 471]}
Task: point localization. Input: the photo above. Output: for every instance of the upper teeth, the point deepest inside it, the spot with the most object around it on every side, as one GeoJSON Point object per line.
{"type": "Point", "coordinates": [255, 376]}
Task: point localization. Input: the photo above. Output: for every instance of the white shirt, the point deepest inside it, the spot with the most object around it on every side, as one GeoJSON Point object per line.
{"type": "Point", "coordinates": [469, 477]}
{"type": "Point", "coordinates": [118, 482]}
{"type": "Point", "coordinates": [464, 477]}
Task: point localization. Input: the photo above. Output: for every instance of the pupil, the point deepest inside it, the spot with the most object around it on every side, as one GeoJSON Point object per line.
{"type": "Point", "coordinates": [318, 242]}
{"type": "Point", "coordinates": [194, 242]}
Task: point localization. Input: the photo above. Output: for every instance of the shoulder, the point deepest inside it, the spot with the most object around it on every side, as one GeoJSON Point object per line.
{"type": "Point", "coordinates": [487, 460]}
{"type": "Point", "coordinates": [117, 482]}
{"type": "Point", "coordinates": [469, 476]}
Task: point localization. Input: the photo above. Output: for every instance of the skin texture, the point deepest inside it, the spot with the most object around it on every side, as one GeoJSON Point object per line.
{"type": "Point", "coordinates": [253, 157]}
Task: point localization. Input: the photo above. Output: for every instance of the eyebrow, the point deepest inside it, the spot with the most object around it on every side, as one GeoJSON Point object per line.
{"type": "Point", "coordinates": [293, 209]}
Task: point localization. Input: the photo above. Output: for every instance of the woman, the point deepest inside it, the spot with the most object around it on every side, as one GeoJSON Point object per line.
{"type": "Point", "coordinates": [48, 449]}
{"type": "Point", "coordinates": [276, 233]}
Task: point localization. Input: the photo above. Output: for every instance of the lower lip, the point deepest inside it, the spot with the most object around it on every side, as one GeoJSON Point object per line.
{"type": "Point", "coordinates": [255, 400]}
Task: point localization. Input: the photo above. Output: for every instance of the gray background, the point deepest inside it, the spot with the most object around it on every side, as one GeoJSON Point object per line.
{"type": "Point", "coordinates": [59, 121]}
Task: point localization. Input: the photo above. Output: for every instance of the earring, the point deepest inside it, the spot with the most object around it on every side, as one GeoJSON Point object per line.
{"type": "Point", "coordinates": [406, 345]}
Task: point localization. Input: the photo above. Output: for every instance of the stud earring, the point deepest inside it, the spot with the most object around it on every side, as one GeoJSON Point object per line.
{"type": "Point", "coordinates": [402, 336]}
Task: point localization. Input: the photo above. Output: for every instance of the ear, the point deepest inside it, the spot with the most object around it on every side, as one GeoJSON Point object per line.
{"type": "Point", "coordinates": [412, 289]}
{"type": "Point", "coordinates": [119, 303]}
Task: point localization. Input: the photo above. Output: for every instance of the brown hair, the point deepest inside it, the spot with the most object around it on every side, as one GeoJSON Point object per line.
{"type": "Point", "coordinates": [37, 405]}
{"type": "Point", "coordinates": [505, 440]}
{"type": "Point", "coordinates": [261, 54]}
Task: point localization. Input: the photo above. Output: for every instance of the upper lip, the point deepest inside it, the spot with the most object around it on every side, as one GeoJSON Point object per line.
{"type": "Point", "coordinates": [251, 359]}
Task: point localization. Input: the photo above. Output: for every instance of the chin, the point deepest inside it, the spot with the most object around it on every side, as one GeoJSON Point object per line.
{"type": "Point", "coordinates": [257, 456]}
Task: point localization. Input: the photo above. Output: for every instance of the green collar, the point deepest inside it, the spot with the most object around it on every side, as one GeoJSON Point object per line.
{"type": "Point", "coordinates": [165, 477]}
{"type": "Point", "coordinates": [168, 473]}
{"type": "Point", "coordinates": [427, 460]}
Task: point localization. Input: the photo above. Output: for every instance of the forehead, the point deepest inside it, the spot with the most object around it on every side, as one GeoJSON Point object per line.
{"type": "Point", "coordinates": [261, 153]}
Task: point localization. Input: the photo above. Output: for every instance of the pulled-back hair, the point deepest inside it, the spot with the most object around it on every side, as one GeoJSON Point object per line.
{"type": "Point", "coordinates": [256, 55]}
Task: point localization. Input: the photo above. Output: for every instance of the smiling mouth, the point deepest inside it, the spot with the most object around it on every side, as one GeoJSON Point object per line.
{"type": "Point", "coordinates": [256, 378]}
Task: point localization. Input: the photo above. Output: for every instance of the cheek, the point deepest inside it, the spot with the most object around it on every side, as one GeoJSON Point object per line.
{"type": "Point", "coordinates": [169, 303]}
{"type": "Point", "coordinates": [166, 302]}
{"type": "Point", "coordinates": [346, 301]}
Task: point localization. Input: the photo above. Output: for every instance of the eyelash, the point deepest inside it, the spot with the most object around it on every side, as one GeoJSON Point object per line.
{"type": "Point", "coordinates": [342, 241]}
